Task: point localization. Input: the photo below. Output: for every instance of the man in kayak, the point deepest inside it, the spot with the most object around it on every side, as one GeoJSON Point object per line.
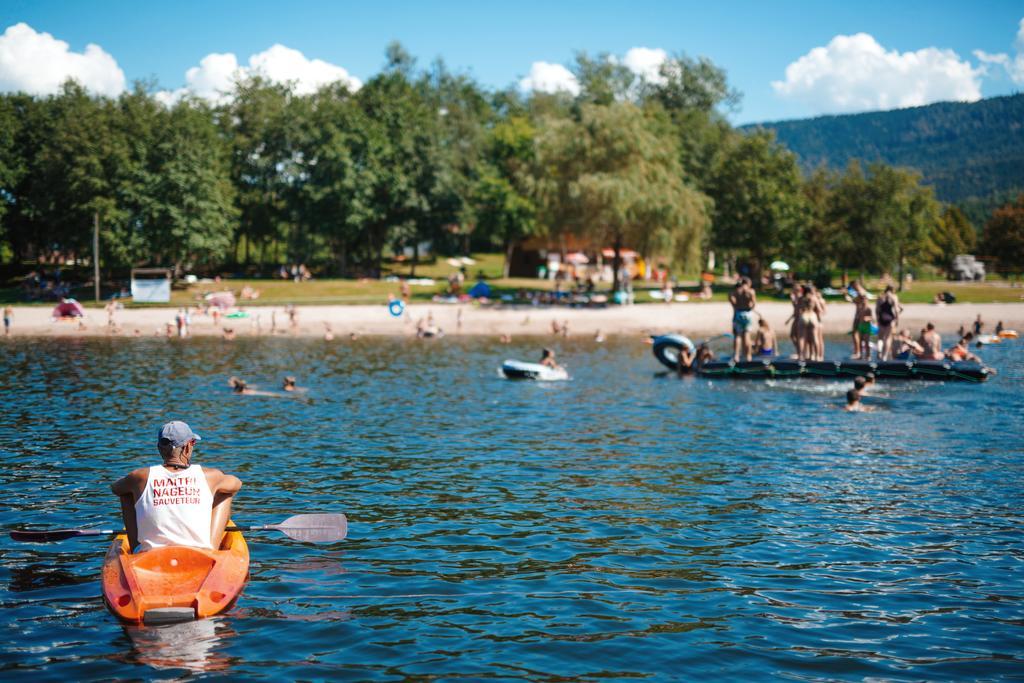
{"type": "Point", "coordinates": [176, 503]}
{"type": "Point", "coordinates": [743, 300]}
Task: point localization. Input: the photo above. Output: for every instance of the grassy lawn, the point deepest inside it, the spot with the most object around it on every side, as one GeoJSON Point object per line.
{"type": "Point", "coordinates": [346, 291]}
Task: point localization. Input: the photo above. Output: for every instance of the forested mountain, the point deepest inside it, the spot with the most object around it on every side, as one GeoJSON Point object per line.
{"type": "Point", "coordinates": [972, 153]}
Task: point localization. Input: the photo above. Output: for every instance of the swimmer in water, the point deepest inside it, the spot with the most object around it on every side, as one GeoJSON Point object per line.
{"type": "Point", "coordinates": [289, 384]}
{"type": "Point", "coordinates": [238, 386]}
{"type": "Point", "coordinates": [853, 404]}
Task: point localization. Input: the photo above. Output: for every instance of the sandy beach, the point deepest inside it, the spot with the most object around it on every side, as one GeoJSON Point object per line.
{"type": "Point", "coordinates": [695, 319]}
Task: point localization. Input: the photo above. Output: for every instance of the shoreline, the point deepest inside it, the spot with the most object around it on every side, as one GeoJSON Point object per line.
{"type": "Point", "coordinates": [692, 319]}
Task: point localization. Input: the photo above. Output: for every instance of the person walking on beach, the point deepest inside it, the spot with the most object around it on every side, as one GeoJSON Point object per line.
{"type": "Point", "coordinates": [176, 502]}
{"type": "Point", "coordinates": [743, 300]}
{"type": "Point", "coordinates": [111, 308]}
{"type": "Point", "coordinates": [887, 312]}
{"type": "Point", "coordinates": [978, 325]}
{"type": "Point", "coordinates": [8, 317]}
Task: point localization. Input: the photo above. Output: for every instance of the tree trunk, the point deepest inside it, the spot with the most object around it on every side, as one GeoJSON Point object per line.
{"type": "Point", "coordinates": [507, 268]}
{"type": "Point", "coordinates": [899, 287]}
{"type": "Point", "coordinates": [616, 263]}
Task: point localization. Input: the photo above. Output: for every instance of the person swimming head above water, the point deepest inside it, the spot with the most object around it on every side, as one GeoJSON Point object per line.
{"type": "Point", "coordinates": [237, 385]}
{"type": "Point", "coordinates": [288, 384]}
{"type": "Point", "coordinates": [853, 403]}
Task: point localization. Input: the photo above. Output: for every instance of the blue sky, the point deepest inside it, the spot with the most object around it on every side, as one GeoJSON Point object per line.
{"type": "Point", "coordinates": [499, 43]}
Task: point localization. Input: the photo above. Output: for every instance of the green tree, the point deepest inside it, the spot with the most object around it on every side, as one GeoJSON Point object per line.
{"type": "Point", "coordinates": [259, 123]}
{"type": "Point", "coordinates": [614, 176]}
{"type": "Point", "coordinates": [821, 240]}
{"type": "Point", "coordinates": [953, 235]}
{"type": "Point", "coordinates": [1004, 237]}
{"type": "Point", "coordinates": [189, 213]}
{"type": "Point", "coordinates": [758, 205]}
{"type": "Point", "coordinates": [503, 196]}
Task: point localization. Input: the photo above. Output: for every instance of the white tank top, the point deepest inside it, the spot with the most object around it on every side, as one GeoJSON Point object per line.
{"type": "Point", "coordinates": [174, 509]}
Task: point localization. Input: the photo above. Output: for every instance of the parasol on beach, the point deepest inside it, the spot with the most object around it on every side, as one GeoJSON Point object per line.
{"type": "Point", "coordinates": [68, 308]}
{"type": "Point", "coordinates": [779, 265]}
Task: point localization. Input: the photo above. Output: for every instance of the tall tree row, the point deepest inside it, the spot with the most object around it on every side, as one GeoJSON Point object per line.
{"type": "Point", "coordinates": [341, 179]}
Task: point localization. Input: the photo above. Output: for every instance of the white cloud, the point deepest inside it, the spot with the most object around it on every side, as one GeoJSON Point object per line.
{"type": "Point", "coordinates": [549, 78]}
{"type": "Point", "coordinates": [215, 76]}
{"type": "Point", "coordinates": [1014, 65]}
{"type": "Point", "coordinates": [646, 62]}
{"type": "Point", "coordinates": [38, 63]}
{"type": "Point", "coordinates": [855, 73]}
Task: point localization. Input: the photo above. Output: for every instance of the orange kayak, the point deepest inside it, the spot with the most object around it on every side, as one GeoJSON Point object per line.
{"type": "Point", "coordinates": [175, 583]}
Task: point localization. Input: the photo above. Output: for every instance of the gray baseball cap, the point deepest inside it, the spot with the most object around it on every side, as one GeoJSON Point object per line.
{"type": "Point", "coordinates": [176, 434]}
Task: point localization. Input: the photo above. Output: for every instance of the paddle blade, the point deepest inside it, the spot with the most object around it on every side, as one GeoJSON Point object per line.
{"type": "Point", "coordinates": [314, 528]}
{"type": "Point", "coordinates": [56, 535]}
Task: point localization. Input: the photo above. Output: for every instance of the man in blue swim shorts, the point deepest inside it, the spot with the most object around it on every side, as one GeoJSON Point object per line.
{"type": "Point", "coordinates": [743, 299]}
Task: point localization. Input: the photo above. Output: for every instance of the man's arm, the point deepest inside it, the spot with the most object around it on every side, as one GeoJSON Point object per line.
{"type": "Point", "coordinates": [223, 487]}
{"type": "Point", "coordinates": [128, 489]}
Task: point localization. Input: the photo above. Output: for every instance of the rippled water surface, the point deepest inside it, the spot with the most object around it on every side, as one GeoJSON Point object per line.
{"type": "Point", "coordinates": [624, 524]}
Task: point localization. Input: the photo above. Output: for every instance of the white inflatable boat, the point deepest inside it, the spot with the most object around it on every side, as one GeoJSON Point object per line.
{"type": "Point", "coordinates": [516, 369]}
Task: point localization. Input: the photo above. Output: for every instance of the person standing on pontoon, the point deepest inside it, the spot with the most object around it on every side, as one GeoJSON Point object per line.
{"type": "Point", "coordinates": [887, 313]}
{"type": "Point", "coordinates": [743, 300]}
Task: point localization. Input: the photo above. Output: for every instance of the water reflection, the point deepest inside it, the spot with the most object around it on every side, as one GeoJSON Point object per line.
{"type": "Point", "coordinates": [195, 646]}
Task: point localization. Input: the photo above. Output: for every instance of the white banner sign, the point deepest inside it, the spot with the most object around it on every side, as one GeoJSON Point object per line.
{"type": "Point", "coordinates": [151, 291]}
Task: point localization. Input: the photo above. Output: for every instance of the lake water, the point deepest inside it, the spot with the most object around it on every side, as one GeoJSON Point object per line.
{"type": "Point", "coordinates": [624, 524]}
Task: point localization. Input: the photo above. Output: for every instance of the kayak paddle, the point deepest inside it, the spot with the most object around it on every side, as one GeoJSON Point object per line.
{"type": "Point", "coordinates": [318, 528]}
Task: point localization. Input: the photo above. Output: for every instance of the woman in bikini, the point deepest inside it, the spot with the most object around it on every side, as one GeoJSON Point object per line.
{"type": "Point", "coordinates": [796, 333]}
{"type": "Point", "coordinates": [809, 322]}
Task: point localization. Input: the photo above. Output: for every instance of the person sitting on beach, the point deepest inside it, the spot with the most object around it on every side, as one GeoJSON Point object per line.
{"type": "Point", "coordinates": [853, 404]}
{"type": "Point", "coordinates": [176, 502]}
{"type": "Point", "coordinates": [960, 351]}
{"type": "Point", "coordinates": [764, 340]}
{"type": "Point", "coordinates": [548, 358]}
{"type": "Point", "coordinates": [905, 348]}
{"type": "Point", "coordinates": [743, 300]}
{"type": "Point", "coordinates": [931, 343]}
{"type": "Point", "coordinates": [289, 384]}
